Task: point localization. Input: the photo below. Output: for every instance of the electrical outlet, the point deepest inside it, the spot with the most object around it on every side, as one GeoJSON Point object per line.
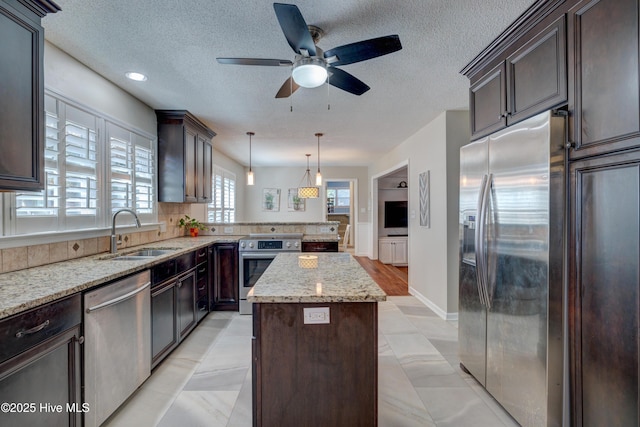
{"type": "Point", "coordinates": [163, 227]}
{"type": "Point", "coordinates": [228, 230]}
{"type": "Point", "coordinates": [316, 315]}
{"type": "Point", "coordinates": [325, 230]}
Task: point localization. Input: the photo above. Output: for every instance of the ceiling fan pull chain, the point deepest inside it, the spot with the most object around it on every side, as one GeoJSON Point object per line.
{"type": "Point", "coordinates": [328, 100]}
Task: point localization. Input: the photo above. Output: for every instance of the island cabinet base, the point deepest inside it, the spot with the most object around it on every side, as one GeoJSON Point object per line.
{"type": "Point", "coordinates": [315, 374]}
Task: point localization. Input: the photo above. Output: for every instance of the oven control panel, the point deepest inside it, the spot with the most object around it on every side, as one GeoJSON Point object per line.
{"type": "Point", "coordinates": [273, 245]}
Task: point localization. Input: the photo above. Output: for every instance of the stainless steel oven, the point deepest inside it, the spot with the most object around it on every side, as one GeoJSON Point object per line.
{"type": "Point", "coordinates": [255, 254]}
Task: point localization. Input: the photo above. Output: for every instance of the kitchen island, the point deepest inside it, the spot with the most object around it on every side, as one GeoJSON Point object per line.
{"type": "Point", "coordinates": [315, 342]}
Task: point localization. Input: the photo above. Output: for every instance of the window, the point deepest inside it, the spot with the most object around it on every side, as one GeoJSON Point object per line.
{"type": "Point", "coordinates": [223, 207]}
{"type": "Point", "coordinates": [88, 175]}
{"type": "Point", "coordinates": [338, 200]}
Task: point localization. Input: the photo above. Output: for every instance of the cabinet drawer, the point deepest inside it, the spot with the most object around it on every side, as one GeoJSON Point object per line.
{"type": "Point", "coordinates": [25, 330]}
{"type": "Point", "coordinates": [185, 262]}
{"type": "Point", "coordinates": [319, 246]}
{"type": "Point", "coordinates": [201, 255]}
{"type": "Point", "coordinates": [163, 271]}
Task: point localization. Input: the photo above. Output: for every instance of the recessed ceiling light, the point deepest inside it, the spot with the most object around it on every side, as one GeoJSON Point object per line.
{"type": "Point", "coordinates": [139, 77]}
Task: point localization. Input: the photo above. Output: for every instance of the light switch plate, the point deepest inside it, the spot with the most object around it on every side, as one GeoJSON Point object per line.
{"type": "Point", "coordinates": [316, 315]}
{"type": "Point", "coordinates": [228, 230]}
{"type": "Point", "coordinates": [325, 230]}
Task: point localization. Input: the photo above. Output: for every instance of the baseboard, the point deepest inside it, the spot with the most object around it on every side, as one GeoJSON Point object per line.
{"type": "Point", "coordinates": [437, 310]}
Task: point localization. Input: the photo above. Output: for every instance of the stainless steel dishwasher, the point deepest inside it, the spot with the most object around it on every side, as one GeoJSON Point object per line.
{"type": "Point", "coordinates": [117, 359]}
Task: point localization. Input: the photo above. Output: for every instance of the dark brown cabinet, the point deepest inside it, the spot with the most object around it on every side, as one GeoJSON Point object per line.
{"type": "Point", "coordinates": [315, 375]}
{"type": "Point", "coordinates": [528, 76]}
{"type": "Point", "coordinates": [604, 290]}
{"type": "Point", "coordinates": [223, 264]}
{"type": "Point", "coordinates": [184, 158]}
{"type": "Point", "coordinates": [604, 79]}
{"type": "Point", "coordinates": [173, 304]}
{"type": "Point", "coordinates": [319, 246]}
{"type": "Point", "coordinates": [40, 364]}
{"type": "Point", "coordinates": [22, 100]}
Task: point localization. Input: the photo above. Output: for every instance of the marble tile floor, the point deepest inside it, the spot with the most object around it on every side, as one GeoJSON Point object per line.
{"type": "Point", "coordinates": [207, 380]}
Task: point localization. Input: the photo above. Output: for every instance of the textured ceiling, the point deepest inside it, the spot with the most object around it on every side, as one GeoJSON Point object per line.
{"type": "Point", "coordinates": [176, 42]}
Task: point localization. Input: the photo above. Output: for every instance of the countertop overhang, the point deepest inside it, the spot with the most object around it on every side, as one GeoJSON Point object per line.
{"type": "Point", "coordinates": [315, 278]}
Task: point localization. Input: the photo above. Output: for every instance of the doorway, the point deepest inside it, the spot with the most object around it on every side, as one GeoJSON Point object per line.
{"type": "Point", "coordinates": [340, 201]}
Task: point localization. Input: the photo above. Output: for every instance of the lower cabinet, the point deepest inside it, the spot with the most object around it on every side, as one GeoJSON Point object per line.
{"type": "Point", "coordinates": [174, 295]}
{"type": "Point", "coordinates": [224, 276]}
{"type": "Point", "coordinates": [40, 365]}
{"type": "Point", "coordinates": [164, 333]}
{"type": "Point", "coordinates": [186, 285]}
{"type": "Point", "coordinates": [393, 250]}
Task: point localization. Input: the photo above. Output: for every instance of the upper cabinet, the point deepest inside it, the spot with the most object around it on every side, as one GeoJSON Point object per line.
{"type": "Point", "coordinates": [605, 101]}
{"type": "Point", "coordinates": [22, 99]}
{"type": "Point", "coordinates": [184, 158]}
{"type": "Point", "coordinates": [522, 74]}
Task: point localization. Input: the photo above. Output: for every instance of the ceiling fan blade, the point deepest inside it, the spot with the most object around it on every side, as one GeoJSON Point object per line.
{"type": "Point", "coordinates": [287, 88]}
{"type": "Point", "coordinates": [363, 50]}
{"type": "Point", "coordinates": [256, 61]}
{"type": "Point", "coordinates": [345, 81]}
{"type": "Point", "coordinates": [294, 27]}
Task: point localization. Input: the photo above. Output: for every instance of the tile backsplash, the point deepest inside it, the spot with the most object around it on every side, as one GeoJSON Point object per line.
{"type": "Point", "coordinates": [18, 258]}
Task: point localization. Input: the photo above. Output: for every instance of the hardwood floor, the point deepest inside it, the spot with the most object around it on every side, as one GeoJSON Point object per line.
{"type": "Point", "coordinates": [392, 280]}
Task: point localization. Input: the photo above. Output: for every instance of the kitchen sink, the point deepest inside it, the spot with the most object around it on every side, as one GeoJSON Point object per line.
{"type": "Point", "coordinates": [139, 254]}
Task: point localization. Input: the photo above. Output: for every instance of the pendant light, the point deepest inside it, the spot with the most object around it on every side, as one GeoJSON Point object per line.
{"type": "Point", "coordinates": [308, 192]}
{"type": "Point", "coordinates": [250, 177]}
{"type": "Point", "coordinates": [318, 174]}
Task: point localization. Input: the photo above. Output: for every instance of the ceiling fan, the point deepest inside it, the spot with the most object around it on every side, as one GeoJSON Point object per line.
{"type": "Point", "coordinates": [312, 66]}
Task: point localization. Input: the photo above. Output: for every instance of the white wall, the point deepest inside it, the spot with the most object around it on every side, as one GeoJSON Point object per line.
{"type": "Point", "coordinates": [284, 178]}
{"type": "Point", "coordinates": [68, 77]}
{"type": "Point", "coordinates": [433, 252]}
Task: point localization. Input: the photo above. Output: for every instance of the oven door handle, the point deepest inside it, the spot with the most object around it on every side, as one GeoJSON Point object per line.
{"type": "Point", "coordinates": [257, 255]}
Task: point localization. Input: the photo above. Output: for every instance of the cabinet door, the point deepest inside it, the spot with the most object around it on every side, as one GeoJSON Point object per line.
{"type": "Point", "coordinates": [48, 373]}
{"type": "Point", "coordinates": [225, 287]}
{"type": "Point", "coordinates": [604, 80]}
{"type": "Point", "coordinates": [385, 251]}
{"type": "Point", "coordinates": [190, 168]}
{"type": "Point", "coordinates": [186, 304]}
{"type": "Point", "coordinates": [21, 102]}
{"type": "Point", "coordinates": [205, 169]}
{"type": "Point", "coordinates": [537, 74]}
{"type": "Point", "coordinates": [164, 335]}
{"type": "Point", "coordinates": [604, 290]}
{"type": "Point", "coordinates": [488, 103]}
{"type": "Point", "coordinates": [400, 252]}
{"type": "Point", "coordinates": [319, 246]}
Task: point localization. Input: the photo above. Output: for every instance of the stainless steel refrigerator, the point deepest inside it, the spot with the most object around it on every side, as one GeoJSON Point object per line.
{"type": "Point", "coordinates": [512, 222]}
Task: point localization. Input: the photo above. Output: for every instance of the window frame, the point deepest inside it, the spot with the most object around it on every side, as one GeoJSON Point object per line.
{"type": "Point", "coordinates": [62, 224]}
{"type": "Point", "coordinates": [227, 213]}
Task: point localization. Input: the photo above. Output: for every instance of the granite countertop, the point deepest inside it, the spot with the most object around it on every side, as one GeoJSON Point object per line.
{"type": "Point", "coordinates": [25, 289]}
{"type": "Point", "coordinates": [315, 278]}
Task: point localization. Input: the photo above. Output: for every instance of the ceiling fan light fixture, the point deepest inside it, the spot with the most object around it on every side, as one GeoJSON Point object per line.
{"type": "Point", "coordinates": [309, 72]}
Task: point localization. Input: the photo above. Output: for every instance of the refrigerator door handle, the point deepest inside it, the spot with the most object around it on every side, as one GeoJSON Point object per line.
{"type": "Point", "coordinates": [485, 214]}
{"type": "Point", "coordinates": [479, 246]}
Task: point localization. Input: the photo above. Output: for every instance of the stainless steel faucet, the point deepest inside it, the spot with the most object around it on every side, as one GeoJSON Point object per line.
{"type": "Point", "coordinates": [114, 240]}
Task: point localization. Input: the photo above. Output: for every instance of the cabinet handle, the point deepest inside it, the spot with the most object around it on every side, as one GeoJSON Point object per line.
{"type": "Point", "coordinates": [202, 271]}
{"type": "Point", "coordinates": [179, 284]}
{"type": "Point", "coordinates": [33, 330]}
{"type": "Point", "coordinates": [202, 288]}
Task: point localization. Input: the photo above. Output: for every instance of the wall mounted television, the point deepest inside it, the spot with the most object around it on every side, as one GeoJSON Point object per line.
{"type": "Point", "coordinates": [395, 214]}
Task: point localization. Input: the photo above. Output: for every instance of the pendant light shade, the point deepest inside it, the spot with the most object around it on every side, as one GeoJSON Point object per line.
{"type": "Point", "coordinates": [318, 174]}
{"type": "Point", "coordinates": [308, 192]}
{"type": "Point", "coordinates": [250, 177]}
